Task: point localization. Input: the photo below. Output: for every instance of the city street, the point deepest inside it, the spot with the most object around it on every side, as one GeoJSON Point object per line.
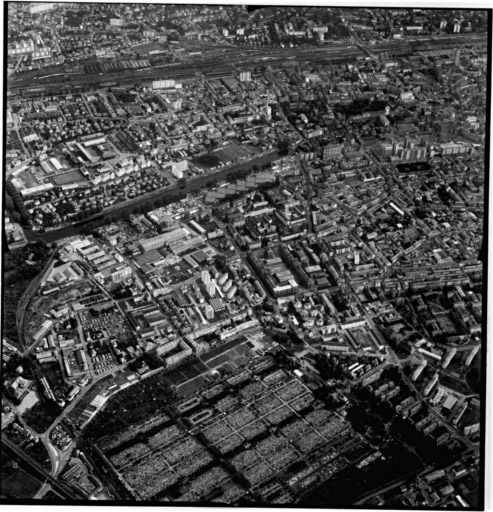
{"type": "Point", "coordinates": [277, 212]}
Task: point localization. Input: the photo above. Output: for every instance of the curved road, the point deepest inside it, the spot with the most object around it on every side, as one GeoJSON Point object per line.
{"type": "Point", "coordinates": [63, 489]}
{"type": "Point", "coordinates": [26, 298]}
{"type": "Point", "coordinates": [52, 452]}
{"type": "Point", "coordinates": [20, 317]}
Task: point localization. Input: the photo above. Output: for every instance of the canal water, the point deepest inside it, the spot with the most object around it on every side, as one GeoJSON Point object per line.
{"type": "Point", "coordinates": [193, 185]}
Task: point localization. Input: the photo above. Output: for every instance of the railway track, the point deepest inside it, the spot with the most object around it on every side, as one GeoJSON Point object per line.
{"type": "Point", "coordinates": [226, 61]}
{"type": "Point", "coordinates": [63, 489]}
{"type": "Point", "coordinates": [187, 69]}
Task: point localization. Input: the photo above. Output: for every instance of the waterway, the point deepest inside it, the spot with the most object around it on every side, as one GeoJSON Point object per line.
{"type": "Point", "coordinates": [118, 210]}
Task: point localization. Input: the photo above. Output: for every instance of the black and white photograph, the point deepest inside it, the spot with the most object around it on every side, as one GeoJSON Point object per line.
{"type": "Point", "coordinates": [244, 255]}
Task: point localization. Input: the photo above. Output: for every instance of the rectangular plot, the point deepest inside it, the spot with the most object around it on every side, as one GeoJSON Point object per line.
{"type": "Point", "coordinates": [132, 431]}
{"type": "Point", "coordinates": [165, 436]}
{"type": "Point", "coordinates": [190, 386]}
{"type": "Point", "coordinates": [174, 378]}
{"type": "Point", "coordinates": [201, 367]}
{"type": "Point", "coordinates": [291, 390]}
{"type": "Point", "coordinates": [208, 481]}
{"type": "Point", "coordinates": [320, 417]}
{"type": "Point", "coordinates": [179, 451]}
{"type": "Point", "coordinates": [267, 403]}
{"type": "Point", "coordinates": [191, 464]}
{"type": "Point", "coordinates": [282, 458]}
{"type": "Point", "coordinates": [269, 445]}
{"type": "Point", "coordinates": [190, 372]}
{"type": "Point", "coordinates": [219, 360]}
{"type": "Point", "coordinates": [232, 493]}
{"type": "Point", "coordinates": [252, 390]}
{"type": "Point", "coordinates": [230, 443]}
{"type": "Point", "coordinates": [228, 403]}
{"type": "Point", "coordinates": [218, 431]}
{"type": "Point", "coordinates": [253, 430]}
{"type": "Point", "coordinates": [156, 483]}
{"type": "Point", "coordinates": [258, 473]}
{"type": "Point", "coordinates": [301, 402]}
{"type": "Point", "coordinates": [279, 415]}
{"type": "Point", "coordinates": [240, 418]}
{"type": "Point", "coordinates": [309, 441]}
{"type": "Point", "coordinates": [213, 391]}
{"type": "Point", "coordinates": [141, 476]}
{"type": "Point", "coordinates": [129, 455]}
{"type": "Point", "coordinates": [275, 378]}
{"type": "Point", "coordinates": [21, 484]}
{"type": "Point", "coordinates": [245, 459]}
{"type": "Point", "coordinates": [295, 430]}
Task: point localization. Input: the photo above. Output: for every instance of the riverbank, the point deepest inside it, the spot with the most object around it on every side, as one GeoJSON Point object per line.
{"type": "Point", "coordinates": [119, 210]}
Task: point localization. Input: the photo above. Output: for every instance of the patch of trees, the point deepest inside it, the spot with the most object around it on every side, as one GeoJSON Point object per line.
{"type": "Point", "coordinates": [283, 144]}
{"type": "Point", "coordinates": [329, 398]}
{"type": "Point", "coordinates": [328, 367]}
{"type": "Point", "coordinates": [424, 445]}
{"type": "Point", "coordinates": [131, 405]}
{"type": "Point", "coordinates": [348, 485]}
{"type": "Point", "coordinates": [18, 204]}
{"type": "Point", "coordinates": [16, 267]}
{"type": "Point", "coordinates": [359, 106]}
{"type": "Point", "coordinates": [209, 160]}
{"type": "Point", "coordinates": [42, 415]}
{"type": "Point", "coordinates": [9, 203]}
{"type": "Point", "coordinates": [9, 395]}
{"type": "Point", "coordinates": [169, 25]}
{"type": "Point", "coordinates": [473, 378]}
{"type": "Point", "coordinates": [88, 212]}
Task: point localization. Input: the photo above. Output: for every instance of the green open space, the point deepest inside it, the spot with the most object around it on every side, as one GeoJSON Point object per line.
{"type": "Point", "coordinates": [67, 177]}
{"type": "Point", "coordinates": [15, 481]}
{"type": "Point", "coordinates": [20, 267]}
{"type": "Point", "coordinates": [132, 404]}
{"type": "Point", "coordinates": [41, 415]}
{"type": "Point", "coordinates": [191, 386]}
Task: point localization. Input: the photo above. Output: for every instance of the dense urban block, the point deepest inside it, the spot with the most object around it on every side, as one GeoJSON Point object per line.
{"type": "Point", "coordinates": [243, 255]}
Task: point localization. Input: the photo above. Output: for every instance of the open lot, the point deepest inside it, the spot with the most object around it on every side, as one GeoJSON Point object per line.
{"type": "Point", "coordinates": [191, 386]}
{"type": "Point", "coordinates": [225, 347]}
{"type": "Point", "coordinates": [186, 372]}
{"type": "Point", "coordinates": [28, 401]}
{"type": "Point", "coordinates": [67, 177]}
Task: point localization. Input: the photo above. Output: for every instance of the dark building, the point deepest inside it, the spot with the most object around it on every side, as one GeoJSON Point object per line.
{"type": "Point", "coordinates": [447, 129]}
